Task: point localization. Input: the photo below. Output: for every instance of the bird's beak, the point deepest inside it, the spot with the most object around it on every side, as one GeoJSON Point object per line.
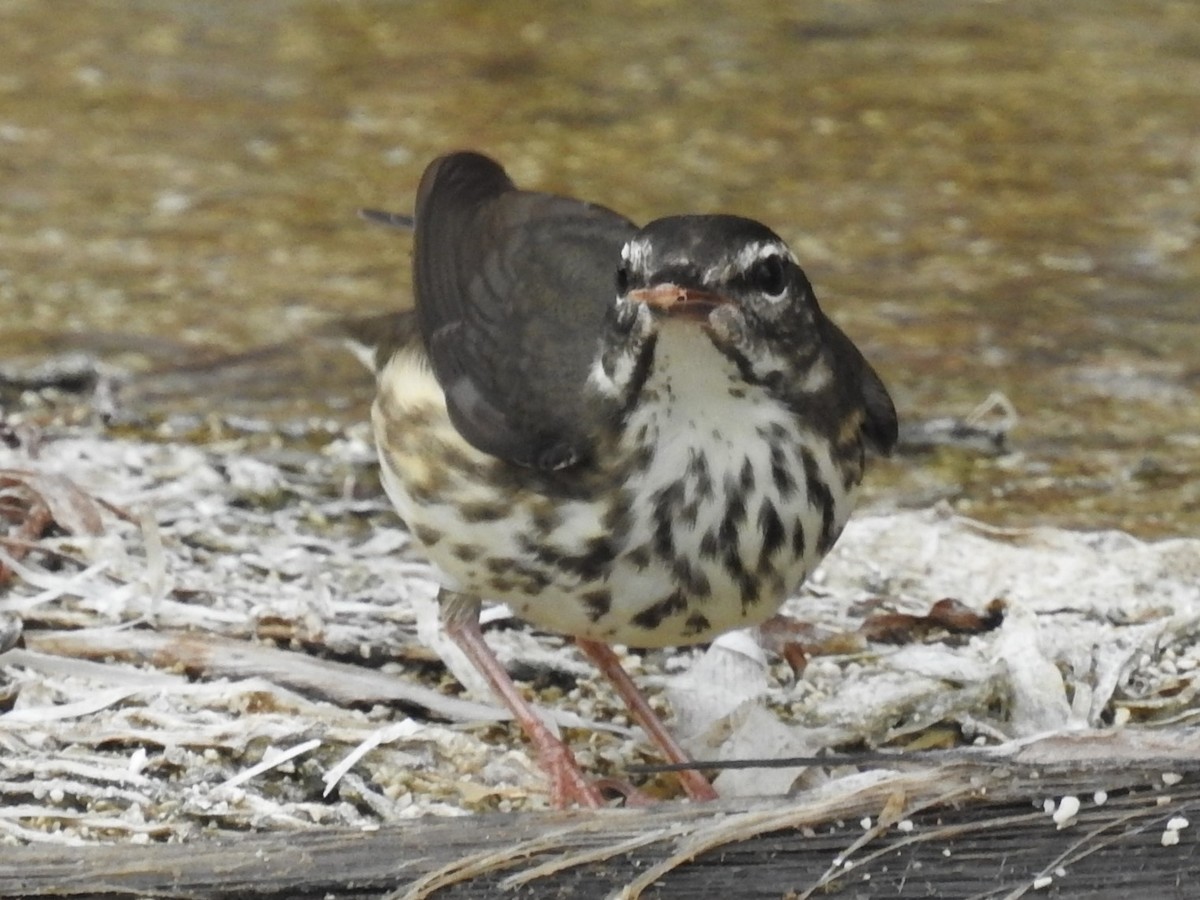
{"type": "Point", "coordinates": [681, 302]}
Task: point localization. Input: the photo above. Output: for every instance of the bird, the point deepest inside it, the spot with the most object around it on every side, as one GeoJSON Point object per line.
{"type": "Point", "coordinates": [644, 436]}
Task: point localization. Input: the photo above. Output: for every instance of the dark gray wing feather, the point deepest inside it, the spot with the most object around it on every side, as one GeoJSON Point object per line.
{"type": "Point", "coordinates": [511, 291]}
{"type": "Point", "coordinates": [862, 385]}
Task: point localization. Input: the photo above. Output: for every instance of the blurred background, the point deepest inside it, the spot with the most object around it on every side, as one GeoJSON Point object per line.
{"type": "Point", "coordinates": [999, 201]}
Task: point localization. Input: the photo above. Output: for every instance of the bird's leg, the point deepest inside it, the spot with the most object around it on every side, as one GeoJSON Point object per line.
{"type": "Point", "coordinates": [695, 784]}
{"type": "Point", "coordinates": [460, 617]}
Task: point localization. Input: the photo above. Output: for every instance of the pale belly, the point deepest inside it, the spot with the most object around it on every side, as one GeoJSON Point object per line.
{"type": "Point", "coordinates": [618, 587]}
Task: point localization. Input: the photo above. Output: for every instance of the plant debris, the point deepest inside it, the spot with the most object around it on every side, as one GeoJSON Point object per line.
{"type": "Point", "coordinates": [229, 637]}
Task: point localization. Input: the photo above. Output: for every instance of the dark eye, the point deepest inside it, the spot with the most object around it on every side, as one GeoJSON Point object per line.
{"type": "Point", "coordinates": [769, 275]}
{"type": "Point", "coordinates": [622, 281]}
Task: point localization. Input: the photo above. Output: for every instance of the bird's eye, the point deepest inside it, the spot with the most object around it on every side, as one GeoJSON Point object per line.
{"type": "Point", "coordinates": [769, 275]}
{"type": "Point", "coordinates": [622, 280]}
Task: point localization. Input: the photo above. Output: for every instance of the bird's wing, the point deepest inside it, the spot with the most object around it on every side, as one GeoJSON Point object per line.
{"type": "Point", "coordinates": [881, 427]}
{"type": "Point", "coordinates": [863, 385]}
{"type": "Point", "coordinates": [511, 290]}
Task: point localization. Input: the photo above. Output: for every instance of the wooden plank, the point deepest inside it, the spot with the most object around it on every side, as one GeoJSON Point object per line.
{"type": "Point", "coordinates": [995, 841]}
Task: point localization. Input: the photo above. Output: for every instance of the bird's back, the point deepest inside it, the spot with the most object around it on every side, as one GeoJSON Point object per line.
{"type": "Point", "coordinates": [511, 290]}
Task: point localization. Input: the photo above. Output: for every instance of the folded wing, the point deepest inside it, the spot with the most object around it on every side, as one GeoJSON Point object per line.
{"type": "Point", "coordinates": [511, 290]}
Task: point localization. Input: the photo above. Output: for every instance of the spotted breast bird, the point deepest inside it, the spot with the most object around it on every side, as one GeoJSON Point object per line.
{"type": "Point", "coordinates": [640, 436]}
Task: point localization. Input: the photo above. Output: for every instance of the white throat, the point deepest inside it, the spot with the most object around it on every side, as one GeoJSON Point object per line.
{"type": "Point", "coordinates": [692, 388]}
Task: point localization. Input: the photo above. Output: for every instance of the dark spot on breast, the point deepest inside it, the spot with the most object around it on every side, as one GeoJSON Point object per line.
{"type": "Point", "coordinates": [820, 496]}
{"type": "Point", "coordinates": [616, 517]}
{"type": "Point", "coordinates": [597, 602]}
{"type": "Point", "coordinates": [402, 425]}
{"type": "Point", "coordinates": [594, 562]}
{"type": "Point", "coordinates": [426, 535]}
{"type": "Point", "coordinates": [799, 539]}
{"type": "Point", "coordinates": [773, 534]}
{"type": "Point", "coordinates": [746, 582]}
{"type": "Point", "coordinates": [775, 433]}
{"type": "Point", "coordinates": [590, 564]}
{"type": "Point", "coordinates": [699, 475]}
{"type": "Point", "coordinates": [466, 552]}
{"type": "Point", "coordinates": [533, 581]}
{"type": "Point", "coordinates": [696, 623]}
{"type": "Point", "coordinates": [453, 458]}
{"type": "Point", "coordinates": [546, 516]}
{"type": "Point", "coordinates": [423, 492]}
{"type": "Point", "coordinates": [641, 458]}
{"type": "Point", "coordinates": [666, 501]}
{"type": "Point", "coordinates": [781, 473]}
{"type": "Point", "coordinates": [483, 511]}
{"type": "Point", "coordinates": [639, 557]}
{"type": "Point", "coordinates": [710, 545]}
{"type": "Point", "coordinates": [527, 578]}
{"type": "Point", "coordinates": [690, 578]}
{"type": "Point", "coordinates": [735, 515]}
{"type": "Point", "coordinates": [498, 565]}
{"type": "Point", "coordinates": [746, 476]}
{"type": "Point", "coordinates": [664, 538]}
{"type": "Point", "coordinates": [655, 614]}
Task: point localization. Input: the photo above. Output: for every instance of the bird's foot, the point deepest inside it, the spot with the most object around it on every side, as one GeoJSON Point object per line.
{"type": "Point", "coordinates": [633, 797]}
{"type": "Point", "coordinates": [697, 787]}
{"type": "Point", "coordinates": [570, 786]}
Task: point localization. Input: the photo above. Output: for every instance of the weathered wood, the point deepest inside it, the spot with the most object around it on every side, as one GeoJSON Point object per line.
{"type": "Point", "coordinates": [994, 841]}
{"type": "Point", "coordinates": [216, 656]}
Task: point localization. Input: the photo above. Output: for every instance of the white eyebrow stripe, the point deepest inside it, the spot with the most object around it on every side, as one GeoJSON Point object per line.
{"type": "Point", "coordinates": [752, 253]}
{"type": "Point", "coordinates": [635, 253]}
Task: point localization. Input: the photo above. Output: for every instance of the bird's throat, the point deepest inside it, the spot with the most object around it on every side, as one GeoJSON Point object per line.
{"type": "Point", "coordinates": [690, 385]}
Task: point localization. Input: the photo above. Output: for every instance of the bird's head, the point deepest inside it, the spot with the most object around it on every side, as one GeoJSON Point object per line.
{"type": "Point", "coordinates": [730, 279]}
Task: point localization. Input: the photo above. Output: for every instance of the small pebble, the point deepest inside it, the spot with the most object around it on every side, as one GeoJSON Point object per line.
{"type": "Point", "coordinates": [1068, 808]}
{"type": "Point", "coordinates": [137, 761]}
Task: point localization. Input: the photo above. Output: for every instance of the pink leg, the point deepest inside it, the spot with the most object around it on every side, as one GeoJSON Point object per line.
{"type": "Point", "coordinates": [606, 661]}
{"type": "Point", "coordinates": [460, 616]}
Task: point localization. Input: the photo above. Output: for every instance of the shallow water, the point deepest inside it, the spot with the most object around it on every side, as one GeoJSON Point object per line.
{"type": "Point", "coordinates": [988, 196]}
